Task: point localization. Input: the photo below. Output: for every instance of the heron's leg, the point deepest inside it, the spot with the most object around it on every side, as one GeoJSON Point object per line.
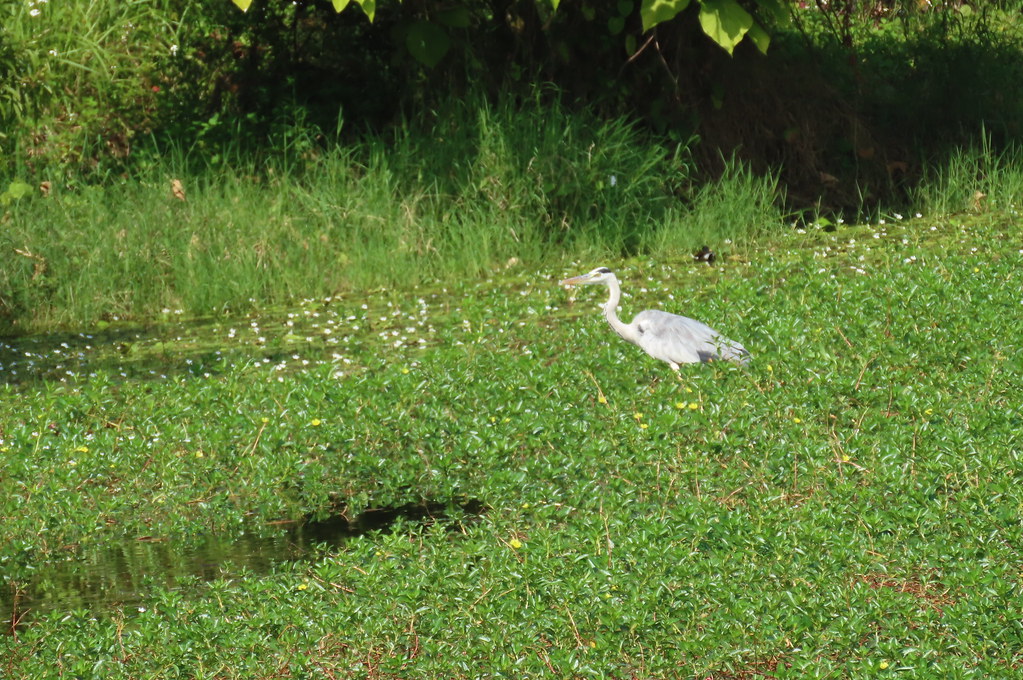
{"type": "Point", "coordinates": [678, 373]}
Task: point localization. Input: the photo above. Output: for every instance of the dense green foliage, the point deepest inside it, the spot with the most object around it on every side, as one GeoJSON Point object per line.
{"type": "Point", "coordinates": [849, 507]}
{"type": "Point", "coordinates": [848, 107]}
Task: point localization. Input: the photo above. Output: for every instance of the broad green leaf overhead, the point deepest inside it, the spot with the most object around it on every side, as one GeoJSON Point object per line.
{"type": "Point", "coordinates": [369, 7]}
{"type": "Point", "coordinates": [760, 37]}
{"type": "Point", "coordinates": [427, 42]}
{"type": "Point", "coordinates": [654, 12]}
{"type": "Point", "coordinates": [725, 22]}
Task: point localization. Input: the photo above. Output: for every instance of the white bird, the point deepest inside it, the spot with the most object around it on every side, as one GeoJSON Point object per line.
{"type": "Point", "coordinates": [668, 337]}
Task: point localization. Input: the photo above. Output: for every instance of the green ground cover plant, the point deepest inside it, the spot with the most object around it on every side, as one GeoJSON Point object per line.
{"type": "Point", "coordinates": [847, 507]}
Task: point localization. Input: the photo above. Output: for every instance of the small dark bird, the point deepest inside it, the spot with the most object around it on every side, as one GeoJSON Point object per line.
{"type": "Point", "coordinates": [705, 254]}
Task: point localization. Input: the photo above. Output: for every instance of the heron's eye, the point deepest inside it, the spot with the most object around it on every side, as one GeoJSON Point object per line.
{"type": "Point", "coordinates": [603, 270]}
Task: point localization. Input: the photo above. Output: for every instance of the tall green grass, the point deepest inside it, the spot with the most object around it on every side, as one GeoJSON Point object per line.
{"type": "Point", "coordinates": [739, 207]}
{"type": "Point", "coordinates": [473, 188]}
{"type": "Point", "coordinates": [974, 179]}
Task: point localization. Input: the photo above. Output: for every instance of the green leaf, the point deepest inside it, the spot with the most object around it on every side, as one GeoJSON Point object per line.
{"type": "Point", "coordinates": [654, 12]}
{"type": "Point", "coordinates": [555, 3]}
{"type": "Point", "coordinates": [427, 42]}
{"type": "Point", "coordinates": [369, 7]}
{"type": "Point", "coordinates": [243, 5]}
{"type": "Point", "coordinates": [760, 37]}
{"type": "Point", "coordinates": [15, 190]}
{"type": "Point", "coordinates": [615, 25]}
{"type": "Point", "coordinates": [339, 4]}
{"type": "Point", "coordinates": [725, 22]}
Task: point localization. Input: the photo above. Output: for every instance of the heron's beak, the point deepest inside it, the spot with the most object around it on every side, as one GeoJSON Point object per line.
{"type": "Point", "coordinates": [576, 280]}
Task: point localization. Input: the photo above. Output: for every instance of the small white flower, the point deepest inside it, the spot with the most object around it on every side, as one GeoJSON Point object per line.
{"type": "Point", "coordinates": [174, 50]}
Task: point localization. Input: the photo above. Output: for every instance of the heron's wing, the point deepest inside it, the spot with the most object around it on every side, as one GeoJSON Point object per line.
{"type": "Point", "coordinates": [681, 340]}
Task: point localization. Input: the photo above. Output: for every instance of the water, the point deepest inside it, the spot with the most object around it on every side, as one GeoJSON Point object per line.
{"type": "Point", "coordinates": [335, 332]}
{"type": "Point", "coordinates": [125, 574]}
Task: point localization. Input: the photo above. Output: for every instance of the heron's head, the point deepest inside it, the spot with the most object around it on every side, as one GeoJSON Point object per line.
{"type": "Point", "coordinates": [598, 275]}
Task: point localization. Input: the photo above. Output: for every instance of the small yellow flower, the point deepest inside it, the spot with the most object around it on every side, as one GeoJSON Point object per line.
{"type": "Point", "coordinates": [680, 404]}
{"type": "Point", "coordinates": [506, 420]}
{"type": "Point", "coordinates": [928, 411]}
{"type": "Point", "coordinates": [883, 665]}
{"type": "Point", "coordinates": [593, 645]}
{"type": "Point", "coordinates": [316, 422]}
{"type": "Point", "coordinates": [693, 406]}
{"type": "Point", "coordinates": [199, 454]}
{"type": "Point", "coordinates": [302, 586]}
{"type": "Point", "coordinates": [515, 543]}
{"type": "Point", "coordinates": [770, 368]}
{"type": "Point", "coordinates": [689, 390]}
{"type": "Point", "coordinates": [976, 269]}
{"type": "Point", "coordinates": [797, 420]}
{"type": "Point", "coordinates": [82, 449]}
{"type": "Point", "coordinates": [643, 426]}
{"type": "Point", "coordinates": [264, 420]}
{"type": "Point", "coordinates": [845, 458]}
{"type": "Point", "coordinates": [525, 506]}
{"type": "Point", "coordinates": [404, 371]}
{"type": "Point", "coordinates": [493, 419]}
{"type": "Point", "coordinates": [637, 416]}
{"type": "Point", "coordinates": [602, 399]}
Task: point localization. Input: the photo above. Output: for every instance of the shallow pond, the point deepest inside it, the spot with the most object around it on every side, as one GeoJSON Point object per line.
{"type": "Point", "coordinates": [127, 573]}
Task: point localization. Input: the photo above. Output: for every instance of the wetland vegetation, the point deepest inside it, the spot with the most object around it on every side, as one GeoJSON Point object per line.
{"type": "Point", "coordinates": [850, 505]}
{"type": "Point", "coordinates": [288, 387]}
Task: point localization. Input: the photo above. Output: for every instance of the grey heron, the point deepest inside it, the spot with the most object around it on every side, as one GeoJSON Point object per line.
{"type": "Point", "coordinates": [668, 337]}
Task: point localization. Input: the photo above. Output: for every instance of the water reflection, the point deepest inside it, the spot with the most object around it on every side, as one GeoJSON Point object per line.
{"type": "Point", "coordinates": [125, 574]}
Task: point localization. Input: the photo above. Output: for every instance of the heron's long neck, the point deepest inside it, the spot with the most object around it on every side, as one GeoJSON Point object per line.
{"type": "Point", "coordinates": [625, 330]}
